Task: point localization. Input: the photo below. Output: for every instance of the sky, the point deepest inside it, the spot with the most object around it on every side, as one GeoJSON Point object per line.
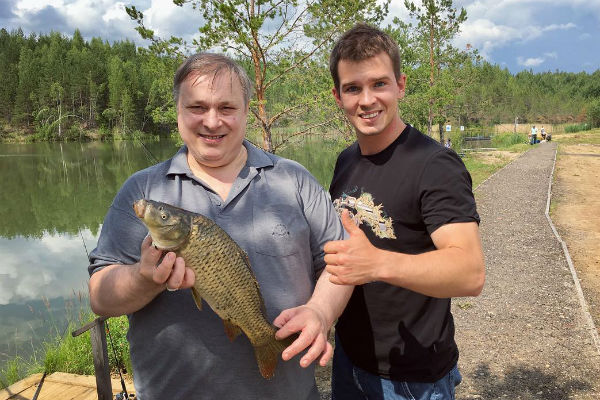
{"type": "Point", "coordinates": [537, 35]}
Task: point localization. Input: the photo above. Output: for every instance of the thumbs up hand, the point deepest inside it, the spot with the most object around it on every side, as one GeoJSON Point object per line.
{"type": "Point", "coordinates": [353, 261]}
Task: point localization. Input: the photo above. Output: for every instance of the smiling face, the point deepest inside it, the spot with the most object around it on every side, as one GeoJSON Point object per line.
{"type": "Point", "coordinates": [369, 94]}
{"type": "Point", "coordinates": [211, 117]}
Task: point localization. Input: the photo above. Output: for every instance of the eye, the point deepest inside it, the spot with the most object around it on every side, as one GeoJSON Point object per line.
{"type": "Point", "coordinates": [350, 89]}
{"type": "Point", "coordinates": [163, 216]}
{"type": "Point", "coordinates": [379, 84]}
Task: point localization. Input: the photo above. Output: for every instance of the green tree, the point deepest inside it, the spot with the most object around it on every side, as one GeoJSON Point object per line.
{"type": "Point", "coordinates": [277, 38]}
{"type": "Point", "coordinates": [438, 24]}
{"type": "Point", "coordinates": [593, 113]}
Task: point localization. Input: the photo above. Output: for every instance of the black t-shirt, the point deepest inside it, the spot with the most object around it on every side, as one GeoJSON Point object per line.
{"type": "Point", "coordinates": [401, 195]}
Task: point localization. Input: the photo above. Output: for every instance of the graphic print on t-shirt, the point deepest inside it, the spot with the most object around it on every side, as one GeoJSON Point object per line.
{"type": "Point", "coordinates": [363, 209]}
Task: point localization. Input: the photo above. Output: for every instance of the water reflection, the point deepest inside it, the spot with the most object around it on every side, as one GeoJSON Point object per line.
{"type": "Point", "coordinates": [53, 199]}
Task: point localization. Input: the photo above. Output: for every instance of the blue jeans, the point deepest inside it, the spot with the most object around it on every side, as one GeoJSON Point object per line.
{"type": "Point", "coordinates": [349, 382]}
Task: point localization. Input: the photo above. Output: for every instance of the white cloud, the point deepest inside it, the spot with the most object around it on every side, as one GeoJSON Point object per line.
{"type": "Point", "coordinates": [486, 35]}
{"type": "Point", "coordinates": [530, 62]}
{"type": "Point", "coordinates": [28, 6]}
{"type": "Point", "coordinates": [56, 265]}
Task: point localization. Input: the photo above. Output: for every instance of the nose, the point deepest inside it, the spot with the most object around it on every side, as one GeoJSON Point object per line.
{"type": "Point", "coordinates": [366, 98]}
{"type": "Point", "coordinates": [211, 119]}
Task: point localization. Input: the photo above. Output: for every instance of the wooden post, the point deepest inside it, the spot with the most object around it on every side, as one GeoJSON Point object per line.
{"type": "Point", "coordinates": [100, 355]}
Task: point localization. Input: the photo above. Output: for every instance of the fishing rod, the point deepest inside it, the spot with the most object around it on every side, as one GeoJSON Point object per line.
{"type": "Point", "coordinates": [118, 361]}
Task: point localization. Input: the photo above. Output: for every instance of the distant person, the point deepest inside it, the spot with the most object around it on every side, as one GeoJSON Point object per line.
{"type": "Point", "coordinates": [272, 207]}
{"type": "Point", "coordinates": [543, 133]}
{"type": "Point", "coordinates": [448, 144]}
{"type": "Point", "coordinates": [533, 135]}
{"type": "Point", "coordinates": [417, 245]}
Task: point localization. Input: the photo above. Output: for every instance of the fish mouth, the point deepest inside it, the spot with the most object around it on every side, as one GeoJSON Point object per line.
{"type": "Point", "coordinates": [140, 207]}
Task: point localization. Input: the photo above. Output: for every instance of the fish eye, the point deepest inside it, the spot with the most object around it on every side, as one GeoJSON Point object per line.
{"type": "Point", "coordinates": [163, 216]}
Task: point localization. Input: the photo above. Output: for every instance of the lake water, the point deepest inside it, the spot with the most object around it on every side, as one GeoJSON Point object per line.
{"type": "Point", "coordinates": [53, 198]}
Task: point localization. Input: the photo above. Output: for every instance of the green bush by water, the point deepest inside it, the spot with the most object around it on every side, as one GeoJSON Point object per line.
{"type": "Point", "coordinates": [505, 140]}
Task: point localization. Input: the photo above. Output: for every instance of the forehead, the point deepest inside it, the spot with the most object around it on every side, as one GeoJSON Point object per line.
{"type": "Point", "coordinates": [222, 86]}
{"type": "Point", "coordinates": [376, 67]}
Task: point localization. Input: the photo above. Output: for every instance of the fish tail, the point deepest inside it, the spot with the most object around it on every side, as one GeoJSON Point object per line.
{"type": "Point", "coordinates": [268, 354]}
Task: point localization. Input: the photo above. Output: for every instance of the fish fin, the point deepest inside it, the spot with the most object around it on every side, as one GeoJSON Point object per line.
{"type": "Point", "coordinates": [268, 354]}
{"type": "Point", "coordinates": [197, 298]}
{"type": "Point", "coordinates": [231, 330]}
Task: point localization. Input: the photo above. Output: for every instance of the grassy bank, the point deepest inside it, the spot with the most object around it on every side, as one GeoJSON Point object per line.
{"type": "Point", "coordinates": [65, 353]}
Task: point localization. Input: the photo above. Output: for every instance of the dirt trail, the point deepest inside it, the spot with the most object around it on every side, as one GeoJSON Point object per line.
{"type": "Point", "coordinates": [526, 336]}
{"type": "Point", "coordinates": [576, 214]}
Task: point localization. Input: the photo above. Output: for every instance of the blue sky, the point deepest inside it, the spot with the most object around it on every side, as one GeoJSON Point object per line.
{"type": "Point", "coordinates": [541, 35]}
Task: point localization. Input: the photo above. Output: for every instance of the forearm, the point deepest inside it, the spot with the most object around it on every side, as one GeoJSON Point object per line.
{"type": "Point", "coordinates": [329, 298]}
{"type": "Point", "coordinates": [443, 273]}
{"type": "Point", "coordinates": [121, 289]}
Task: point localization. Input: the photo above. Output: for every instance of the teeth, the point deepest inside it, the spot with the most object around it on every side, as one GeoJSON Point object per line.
{"type": "Point", "coordinates": [372, 115]}
{"type": "Point", "coordinates": [212, 137]}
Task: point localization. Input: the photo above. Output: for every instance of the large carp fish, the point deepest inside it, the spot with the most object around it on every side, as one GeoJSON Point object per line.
{"type": "Point", "coordinates": [223, 275]}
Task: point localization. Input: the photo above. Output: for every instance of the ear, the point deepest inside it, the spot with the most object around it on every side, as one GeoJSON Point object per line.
{"type": "Point", "coordinates": [338, 99]}
{"type": "Point", "coordinates": [401, 83]}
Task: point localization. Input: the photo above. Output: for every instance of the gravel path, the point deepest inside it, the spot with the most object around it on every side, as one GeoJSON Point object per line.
{"type": "Point", "coordinates": [527, 336]}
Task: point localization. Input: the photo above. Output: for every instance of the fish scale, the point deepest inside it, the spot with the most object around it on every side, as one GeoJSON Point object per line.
{"type": "Point", "coordinates": [224, 278]}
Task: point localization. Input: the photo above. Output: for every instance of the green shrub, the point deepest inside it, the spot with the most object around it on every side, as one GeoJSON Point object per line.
{"type": "Point", "coordinates": [577, 128]}
{"type": "Point", "coordinates": [593, 114]}
{"type": "Point", "coordinates": [504, 140]}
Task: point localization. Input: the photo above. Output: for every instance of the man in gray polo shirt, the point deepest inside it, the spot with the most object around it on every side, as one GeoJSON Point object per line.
{"type": "Point", "coordinates": [272, 207]}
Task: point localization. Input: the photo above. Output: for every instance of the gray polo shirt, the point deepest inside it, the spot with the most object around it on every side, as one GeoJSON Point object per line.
{"type": "Point", "coordinates": [280, 215]}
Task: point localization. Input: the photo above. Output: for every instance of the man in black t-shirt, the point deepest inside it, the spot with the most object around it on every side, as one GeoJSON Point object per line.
{"type": "Point", "coordinates": [417, 242]}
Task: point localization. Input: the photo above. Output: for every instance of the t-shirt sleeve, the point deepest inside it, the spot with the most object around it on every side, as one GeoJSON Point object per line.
{"type": "Point", "coordinates": [322, 219]}
{"type": "Point", "coordinates": [446, 192]}
{"type": "Point", "coordinates": [122, 232]}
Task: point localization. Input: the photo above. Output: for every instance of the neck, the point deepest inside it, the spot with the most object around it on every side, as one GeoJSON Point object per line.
{"type": "Point", "coordinates": [220, 179]}
{"type": "Point", "coordinates": [370, 145]}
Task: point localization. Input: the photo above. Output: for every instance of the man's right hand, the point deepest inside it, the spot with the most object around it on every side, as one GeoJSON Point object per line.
{"type": "Point", "coordinates": [170, 272]}
{"type": "Point", "coordinates": [123, 289]}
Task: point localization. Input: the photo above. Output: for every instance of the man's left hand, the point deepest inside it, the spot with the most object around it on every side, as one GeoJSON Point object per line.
{"type": "Point", "coordinates": [313, 328]}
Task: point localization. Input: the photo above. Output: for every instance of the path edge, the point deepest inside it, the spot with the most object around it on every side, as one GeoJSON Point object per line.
{"type": "Point", "coordinates": [583, 303]}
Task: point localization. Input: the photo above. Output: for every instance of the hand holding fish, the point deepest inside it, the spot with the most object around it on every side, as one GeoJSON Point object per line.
{"type": "Point", "coordinates": [312, 323]}
{"type": "Point", "coordinates": [352, 261]}
{"type": "Point", "coordinates": [170, 272]}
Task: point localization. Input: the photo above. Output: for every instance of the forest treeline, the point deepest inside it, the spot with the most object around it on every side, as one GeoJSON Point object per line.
{"type": "Point", "coordinates": [56, 87]}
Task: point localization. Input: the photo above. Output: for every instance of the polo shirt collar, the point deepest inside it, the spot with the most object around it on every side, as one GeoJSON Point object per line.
{"type": "Point", "coordinates": [256, 159]}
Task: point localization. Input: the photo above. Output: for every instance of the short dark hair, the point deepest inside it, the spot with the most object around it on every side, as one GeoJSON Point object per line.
{"type": "Point", "coordinates": [360, 43]}
{"type": "Point", "coordinates": [211, 63]}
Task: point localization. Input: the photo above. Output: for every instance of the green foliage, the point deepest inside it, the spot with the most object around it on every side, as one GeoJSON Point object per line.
{"type": "Point", "coordinates": [65, 353]}
{"type": "Point", "coordinates": [506, 140]}
{"type": "Point", "coordinates": [60, 88]}
{"type": "Point", "coordinates": [14, 370]}
{"type": "Point", "coordinates": [593, 113]}
{"type": "Point", "coordinates": [577, 128]}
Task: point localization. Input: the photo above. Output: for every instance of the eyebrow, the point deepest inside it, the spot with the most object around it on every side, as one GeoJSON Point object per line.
{"type": "Point", "coordinates": [382, 78]}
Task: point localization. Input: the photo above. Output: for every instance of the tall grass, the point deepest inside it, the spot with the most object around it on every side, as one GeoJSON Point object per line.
{"type": "Point", "coordinates": [65, 353]}
{"type": "Point", "coordinates": [507, 140]}
{"type": "Point", "coordinates": [577, 128]}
